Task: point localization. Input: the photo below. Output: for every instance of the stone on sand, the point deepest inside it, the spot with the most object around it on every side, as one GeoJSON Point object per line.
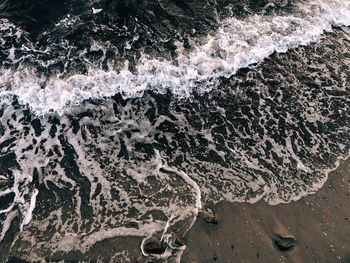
{"type": "Point", "coordinates": [284, 242]}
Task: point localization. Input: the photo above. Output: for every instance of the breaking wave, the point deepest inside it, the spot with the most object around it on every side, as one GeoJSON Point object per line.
{"type": "Point", "coordinates": [236, 44]}
{"type": "Point", "coordinates": [98, 142]}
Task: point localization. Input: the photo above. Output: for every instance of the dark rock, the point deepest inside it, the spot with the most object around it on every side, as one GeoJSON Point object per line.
{"type": "Point", "coordinates": [154, 246]}
{"type": "Point", "coordinates": [207, 216]}
{"type": "Point", "coordinates": [284, 243]}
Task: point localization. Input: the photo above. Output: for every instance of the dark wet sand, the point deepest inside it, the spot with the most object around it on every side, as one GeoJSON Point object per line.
{"type": "Point", "coordinates": [320, 223]}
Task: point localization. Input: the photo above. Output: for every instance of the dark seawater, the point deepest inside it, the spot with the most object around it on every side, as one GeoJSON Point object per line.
{"type": "Point", "coordinates": [120, 119]}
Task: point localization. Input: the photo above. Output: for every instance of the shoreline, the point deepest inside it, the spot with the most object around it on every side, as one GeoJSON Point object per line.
{"type": "Point", "coordinates": [319, 222]}
{"type": "Point", "coordinates": [245, 232]}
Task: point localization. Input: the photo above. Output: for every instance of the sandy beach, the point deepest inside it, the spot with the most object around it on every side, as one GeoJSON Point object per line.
{"type": "Point", "coordinates": [245, 232]}
{"type": "Point", "coordinates": [320, 224]}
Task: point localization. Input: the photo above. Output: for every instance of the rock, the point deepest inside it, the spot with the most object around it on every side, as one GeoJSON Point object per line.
{"type": "Point", "coordinates": [284, 243]}
{"type": "Point", "coordinates": [154, 246]}
{"type": "Point", "coordinates": [207, 216]}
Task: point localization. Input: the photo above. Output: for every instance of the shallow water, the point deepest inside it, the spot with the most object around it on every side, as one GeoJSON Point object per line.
{"type": "Point", "coordinates": [93, 148]}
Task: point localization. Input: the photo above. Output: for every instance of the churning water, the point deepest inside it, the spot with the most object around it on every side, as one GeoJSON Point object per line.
{"type": "Point", "coordinates": [109, 130]}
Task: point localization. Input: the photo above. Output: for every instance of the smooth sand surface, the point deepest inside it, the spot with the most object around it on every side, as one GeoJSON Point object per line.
{"type": "Point", "coordinates": [319, 222]}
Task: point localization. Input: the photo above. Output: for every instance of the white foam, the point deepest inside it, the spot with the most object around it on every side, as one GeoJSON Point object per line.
{"type": "Point", "coordinates": [96, 10]}
{"type": "Point", "coordinates": [236, 44]}
{"type": "Point", "coordinates": [301, 167]}
{"type": "Point", "coordinates": [7, 223]}
{"type": "Point", "coordinates": [29, 213]}
{"type": "Point", "coordinates": [20, 191]}
{"type": "Point", "coordinates": [68, 242]}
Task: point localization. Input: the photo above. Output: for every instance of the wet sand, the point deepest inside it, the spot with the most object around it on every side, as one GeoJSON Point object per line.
{"type": "Point", "coordinates": [320, 223]}
{"type": "Point", "coordinates": [244, 233]}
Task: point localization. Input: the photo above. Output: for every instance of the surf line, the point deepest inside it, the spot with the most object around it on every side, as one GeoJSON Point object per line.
{"type": "Point", "coordinates": [236, 44]}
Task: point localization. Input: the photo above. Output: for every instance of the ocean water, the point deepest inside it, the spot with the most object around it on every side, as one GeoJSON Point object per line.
{"type": "Point", "coordinates": [114, 125]}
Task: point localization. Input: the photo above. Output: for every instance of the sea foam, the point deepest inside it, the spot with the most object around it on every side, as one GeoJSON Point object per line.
{"type": "Point", "coordinates": [236, 44]}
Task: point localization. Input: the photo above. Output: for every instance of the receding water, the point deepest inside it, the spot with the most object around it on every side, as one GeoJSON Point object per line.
{"type": "Point", "coordinates": [107, 138]}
